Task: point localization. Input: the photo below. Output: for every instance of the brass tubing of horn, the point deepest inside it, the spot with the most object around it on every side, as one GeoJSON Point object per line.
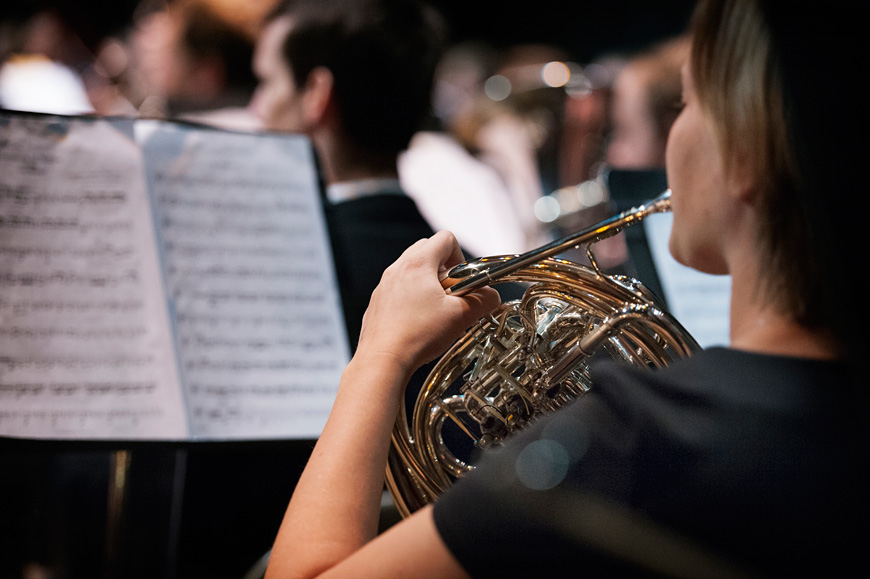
{"type": "Point", "coordinates": [587, 346]}
{"type": "Point", "coordinates": [622, 319]}
{"type": "Point", "coordinates": [476, 275]}
{"type": "Point", "coordinates": [643, 313]}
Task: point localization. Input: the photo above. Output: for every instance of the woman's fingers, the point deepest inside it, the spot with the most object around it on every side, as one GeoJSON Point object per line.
{"type": "Point", "coordinates": [410, 316]}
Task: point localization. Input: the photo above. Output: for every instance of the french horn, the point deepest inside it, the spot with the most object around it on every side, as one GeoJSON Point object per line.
{"type": "Point", "coordinates": [528, 358]}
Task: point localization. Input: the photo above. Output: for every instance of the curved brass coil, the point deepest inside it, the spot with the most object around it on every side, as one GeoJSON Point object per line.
{"type": "Point", "coordinates": [529, 358]}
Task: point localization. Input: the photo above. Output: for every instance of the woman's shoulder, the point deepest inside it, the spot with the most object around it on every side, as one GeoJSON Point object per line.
{"type": "Point", "coordinates": [721, 373]}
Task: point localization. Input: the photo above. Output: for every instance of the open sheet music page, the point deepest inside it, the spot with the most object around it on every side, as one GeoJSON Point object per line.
{"type": "Point", "coordinates": [249, 277]}
{"type": "Point", "coordinates": [85, 344]}
{"type": "Point", "coordinates": [163, 281]}
{"type": "Point", "coordinates": [701, 302]}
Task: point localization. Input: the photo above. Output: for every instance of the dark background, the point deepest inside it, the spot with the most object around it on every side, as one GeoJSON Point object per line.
{"type": "Point", "coordinates": [585, 29]}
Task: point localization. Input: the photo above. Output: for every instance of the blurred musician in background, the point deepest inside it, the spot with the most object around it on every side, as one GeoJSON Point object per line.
{"type": "Point", "coordinates": [191, 59]}
{"type": "Point", "coordinates": [742, 461]}
{"type": "Point", "coordinates": [356, 76]}
{"type": "Point", "coordinates": [446, 168]}
{"type": "Point", "coordinates": [645, 101]}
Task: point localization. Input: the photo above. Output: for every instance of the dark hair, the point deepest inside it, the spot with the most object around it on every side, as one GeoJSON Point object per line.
{"type": "Point", "coordinates": [775, 77]}
{"type": "Point", "coordinates": [206, 35]}
{"type": "Point", "coordinates": [382, 55]}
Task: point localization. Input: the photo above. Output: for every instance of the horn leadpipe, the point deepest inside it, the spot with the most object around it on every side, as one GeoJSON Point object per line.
{"type": "Point", "coordinates": [469, 276]}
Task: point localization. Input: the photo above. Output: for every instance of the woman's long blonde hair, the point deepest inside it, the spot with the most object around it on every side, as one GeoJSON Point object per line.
{"type": "Point", "coordinates": [738, 77]}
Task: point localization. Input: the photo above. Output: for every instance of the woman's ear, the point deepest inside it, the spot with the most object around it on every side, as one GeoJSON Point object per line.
{"type": "Point", "coordinates": [318, 95]}
{"type": "Point", "coordinates": [743, 182]}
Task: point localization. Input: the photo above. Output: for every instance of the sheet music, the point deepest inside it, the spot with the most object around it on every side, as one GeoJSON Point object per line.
{"type": "Point", "coordinates": [85, 349]}
{"type": "Point", "coordinates": [163, 281]}
{"type": "Point", "coordinates": [701, 302]}
{"type": "Point", "coordinates": [260, 333]}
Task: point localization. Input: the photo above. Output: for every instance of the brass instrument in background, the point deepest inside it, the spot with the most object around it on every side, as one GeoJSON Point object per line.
{"type": "Point", "coordinates": [529, 357]}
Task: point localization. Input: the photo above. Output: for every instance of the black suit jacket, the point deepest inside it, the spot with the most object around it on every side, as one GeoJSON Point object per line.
{"type": "Point", "coordinates": [368, 234]}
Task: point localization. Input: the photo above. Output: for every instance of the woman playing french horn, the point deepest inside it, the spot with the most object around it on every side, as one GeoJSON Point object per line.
{"type": "Point", "coordinates": [745, 460]}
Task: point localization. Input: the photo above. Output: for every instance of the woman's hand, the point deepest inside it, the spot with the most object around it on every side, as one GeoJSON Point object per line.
{"type": "Point", "coordinates": [336, 503]}
{"type": "Point", "coordinates": [410, 317]}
